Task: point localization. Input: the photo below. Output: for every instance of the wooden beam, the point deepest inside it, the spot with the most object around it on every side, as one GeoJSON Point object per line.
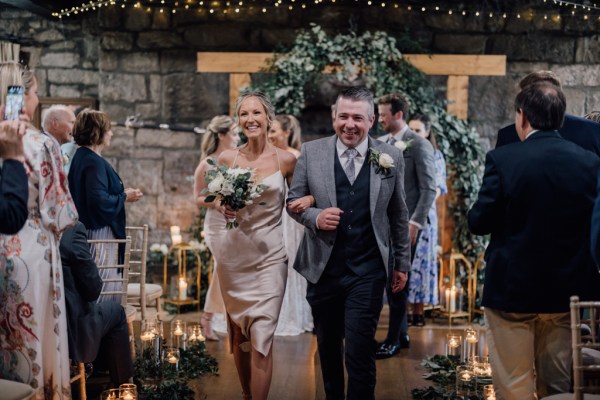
{"type": "Point", "coordinates": [232, 62]}
{"type": "Point", "coordinates": [236, 83]}
{"type": "Point", "coordinates": [436, 64]}
{"type": "Point", "coordinates": [459, 64]}
{"type": "Point", "coordinates": [457, 95]}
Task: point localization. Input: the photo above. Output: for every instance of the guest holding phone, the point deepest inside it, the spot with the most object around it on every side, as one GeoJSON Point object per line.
{"type": "Point", "coordinates": [33, 323]}
{"type": "Point", "coordinates": [98, 191]}
{"type": "Point", "coordinates": [13, 180]}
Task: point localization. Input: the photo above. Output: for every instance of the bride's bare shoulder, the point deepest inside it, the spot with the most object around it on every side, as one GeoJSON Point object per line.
{"type": "Point", "coordinates": [227, 157]}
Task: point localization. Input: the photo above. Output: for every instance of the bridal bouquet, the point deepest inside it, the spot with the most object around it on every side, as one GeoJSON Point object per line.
{"type": "Point", "coordinates": [234, 186]}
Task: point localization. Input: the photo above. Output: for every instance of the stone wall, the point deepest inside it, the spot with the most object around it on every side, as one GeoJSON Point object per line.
{"type": "Point", "coordinates": [139, 63]}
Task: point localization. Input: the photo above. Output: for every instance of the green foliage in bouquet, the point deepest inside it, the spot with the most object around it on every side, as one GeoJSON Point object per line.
{"type": "Point", "coordinates": [233, 186]}
{"type": "Point", "coordinates": [373, 59]}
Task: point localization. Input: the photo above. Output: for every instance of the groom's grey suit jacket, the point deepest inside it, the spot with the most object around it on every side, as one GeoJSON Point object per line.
{"type": "Point", "coordinates": [314, 175]}
{"type": "Point", "coordinates": [419, 176]}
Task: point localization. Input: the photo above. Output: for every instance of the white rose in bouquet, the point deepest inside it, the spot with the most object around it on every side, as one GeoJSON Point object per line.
{"type": "Point", "coordinates": [226, 189]}
{"type": "Point", "coordinates": [216, 184]}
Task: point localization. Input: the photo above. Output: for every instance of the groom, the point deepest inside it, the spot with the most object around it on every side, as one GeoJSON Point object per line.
{"type": "Point", "coordinates": [356, 237]}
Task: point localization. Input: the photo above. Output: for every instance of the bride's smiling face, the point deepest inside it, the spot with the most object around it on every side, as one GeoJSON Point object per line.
{"type": "Point", "coordinates": [253, 118]}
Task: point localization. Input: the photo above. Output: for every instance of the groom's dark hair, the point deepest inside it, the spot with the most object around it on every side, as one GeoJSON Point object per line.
{"type": "Point", "coordinates": [359, 93]}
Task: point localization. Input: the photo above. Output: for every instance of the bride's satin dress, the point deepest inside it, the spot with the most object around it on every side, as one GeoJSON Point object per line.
{"type": "Point", "coordinates": [253, 266]}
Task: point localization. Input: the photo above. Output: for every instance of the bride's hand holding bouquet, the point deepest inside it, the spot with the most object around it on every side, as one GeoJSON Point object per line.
{"type": "Point", "coordinates": [234, 187]}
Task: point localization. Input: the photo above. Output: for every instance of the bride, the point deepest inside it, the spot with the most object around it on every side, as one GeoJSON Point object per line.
{"type": "Point", "coordinates": [296, 316]}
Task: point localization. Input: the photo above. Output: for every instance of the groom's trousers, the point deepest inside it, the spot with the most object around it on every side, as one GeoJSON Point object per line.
{"type": "Point", "coordinates": [347, 307]}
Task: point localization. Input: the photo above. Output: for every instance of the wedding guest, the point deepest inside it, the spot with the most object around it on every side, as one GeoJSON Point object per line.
{"type": "Point", "coordinates": [423, 287]}
{"type": "Point", "coordinates": [295, 316]}
{"type": "Point", "coordinates": [356, 238]}
{"type": "Point", "coordinates": [98, 191]}
{"type": "Point", "coordinates": [420, 189]}
{"type": "Point", "coordinates": [13, 179]}
{"type": "Point", "coordinates": [285, 134]}
{"type": "Point", "coordinates": [58, 121]}
{"type": "Point", "coordinates": [97, 332]}
{"type": "Point", "coordinates": [533, 263]}
{"type": "Point", "coordinates": [33, 322]}
{"type": "Point", "coordinates": [253, 264]}
{"type": "Point", "coordinates": [221, 134]}
{"type": "Point", "coordinates": [580, 131]}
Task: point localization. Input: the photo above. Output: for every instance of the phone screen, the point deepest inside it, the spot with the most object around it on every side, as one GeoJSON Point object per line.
{"type": "Point", "coordinates": [14, 102]}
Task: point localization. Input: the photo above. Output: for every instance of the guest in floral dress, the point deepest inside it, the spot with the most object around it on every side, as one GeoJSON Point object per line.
{"type": "Point", "coordinates": [423, 288]}
{"type": "Point", "coordinates": [33, 327]}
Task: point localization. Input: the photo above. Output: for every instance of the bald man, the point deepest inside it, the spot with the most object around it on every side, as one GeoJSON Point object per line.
{"type": "Point", "coordinates": [57, 122]}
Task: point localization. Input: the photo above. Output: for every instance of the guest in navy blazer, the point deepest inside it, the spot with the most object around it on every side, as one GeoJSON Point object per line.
{"type": "Point", "coordinates": [580, 131]}
{"type": "Point", "coordinates": [97, 332]}
{"type": "Point", "coordinates": [13, 179]}
{"type": "Point", "coordinates": [536, 201]}
{"type": "Point", "coordinates": [96, 188]}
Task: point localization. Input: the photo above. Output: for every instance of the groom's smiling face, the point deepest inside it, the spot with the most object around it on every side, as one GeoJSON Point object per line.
{"type": "Point", "coordinates": [352, 121]}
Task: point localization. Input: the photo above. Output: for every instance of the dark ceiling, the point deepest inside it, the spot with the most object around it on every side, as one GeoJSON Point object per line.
{"type": "Point", "coordinates": [42, 7]}
{"type": "Point", "coordinates": [47, 7]}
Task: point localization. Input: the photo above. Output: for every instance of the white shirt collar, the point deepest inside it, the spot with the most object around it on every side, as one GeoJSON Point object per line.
{"type": "Point", "coordinates": [361, 148]}
{"type": "Point", "coordinates": [531, 133]}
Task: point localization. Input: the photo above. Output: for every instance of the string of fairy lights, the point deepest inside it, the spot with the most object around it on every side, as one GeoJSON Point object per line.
{"type": "Point", "coordinates": [552, 10]}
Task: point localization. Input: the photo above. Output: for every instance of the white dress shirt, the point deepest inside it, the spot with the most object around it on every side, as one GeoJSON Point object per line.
{"type": "Point", "coordinates": [359, 160]}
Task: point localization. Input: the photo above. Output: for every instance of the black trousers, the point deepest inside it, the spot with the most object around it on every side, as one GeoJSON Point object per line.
{"type": "Point", "coordinates": [347, 307]}
{"type": "Point", "coordinates": [114, 352]}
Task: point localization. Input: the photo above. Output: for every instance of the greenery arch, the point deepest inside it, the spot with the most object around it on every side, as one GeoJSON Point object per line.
{"type": "Point", "coordinates": [375, 59]}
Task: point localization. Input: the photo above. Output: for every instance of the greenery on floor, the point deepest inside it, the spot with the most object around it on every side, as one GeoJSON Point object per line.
{"type": "Point", "coordinates": [442, 372]}
{"type": "Point", "coordinates": [159, 381]}
{"type": "Point", "coordinates": [373, 59]}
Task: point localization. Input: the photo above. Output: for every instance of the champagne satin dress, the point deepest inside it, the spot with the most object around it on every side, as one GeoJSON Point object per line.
{"type": "Point", "coordinates": [253, 267]}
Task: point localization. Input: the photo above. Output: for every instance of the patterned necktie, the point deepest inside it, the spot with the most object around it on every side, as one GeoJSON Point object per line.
{"type": "Point", "coordinates": [391, 140]}
{"type": "Point", "coordinates": [349, 168]}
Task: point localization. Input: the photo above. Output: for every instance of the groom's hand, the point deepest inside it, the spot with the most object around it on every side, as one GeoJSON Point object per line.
{"type": "Point", "coordinates": [399, 281]}
{"type": "Point", "coordinates": [329, 218]}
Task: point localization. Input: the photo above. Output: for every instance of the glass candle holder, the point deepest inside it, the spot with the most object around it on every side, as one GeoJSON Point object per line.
{"type": "Point", "coordinates": [110, 394]}
{"type": "Point", "coordinates": [489, 393]}
{"type": "Point", "coordinates": [178, 334]}
{"type": "Point", "coordinates": [151, 340]}
{"type": "Point", "coordinates": [470, 344]}
{"type": "Point", "coordinates": [466, 382]}
{"type": "Point", "coordinates": [195, 335]}
{"type": "Point", "coordinates": [171, 358]}
{"type": "Point", "coordinates": [453, 345]}
{"type": "Point", "coordinates": [128, 391]}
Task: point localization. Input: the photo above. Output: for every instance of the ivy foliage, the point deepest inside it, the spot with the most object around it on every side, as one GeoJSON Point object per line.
{"type": "Point", "coordinates": [373, 59]}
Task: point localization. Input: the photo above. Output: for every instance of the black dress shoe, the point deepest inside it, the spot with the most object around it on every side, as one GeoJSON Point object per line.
{"type": "Point", "coordinates": [404, 341]}
{"type": "Point", "coordinates": [418, 320]}
{"type": "Point", "coordinates": [387, 351]}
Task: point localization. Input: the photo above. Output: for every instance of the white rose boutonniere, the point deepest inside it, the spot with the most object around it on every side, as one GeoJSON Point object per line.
{"type": "Point", "coordinates": [382, 162]}
{"type": "Point", "coordinates": [402, 145]}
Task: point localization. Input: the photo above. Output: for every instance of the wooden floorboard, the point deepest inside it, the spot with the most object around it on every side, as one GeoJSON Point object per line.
{"type": "Point", "coordinates": [297, 374]}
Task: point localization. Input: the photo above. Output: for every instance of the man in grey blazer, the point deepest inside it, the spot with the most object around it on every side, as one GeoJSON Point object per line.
{"type": "Point", "coordinates": [419, 185]}
{"type": "Point", "coordinates": [356, 233]}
